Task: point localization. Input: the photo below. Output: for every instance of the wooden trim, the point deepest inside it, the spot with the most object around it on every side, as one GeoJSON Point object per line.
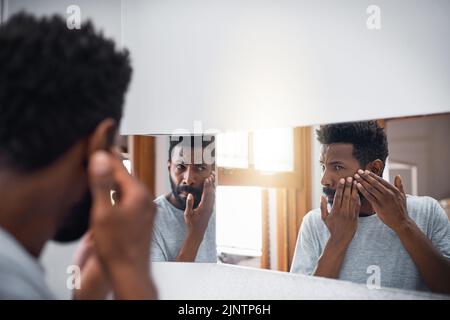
{"type": "Point", "coordinates": [282, 231]}
{"type": "Point", "coordinates": [252, 177]}
{"type": "Point", "coordinates": [303, 165]}
{"type": "Point", "coordinates": [299, 199]}
{"type": "Point", "coordinates": [381, 123]}
{"type": "Point", "coordinates": [142, 156]}
{"type": "Point", "coordinates": [292, 222]}
{"type": "Point", "coordinates": [422, 116]}
{"type": "Point", "coordinates": [265, 254]}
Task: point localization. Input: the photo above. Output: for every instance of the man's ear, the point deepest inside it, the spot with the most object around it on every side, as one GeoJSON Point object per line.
{"type": "Point", "coordinates": [376, 167]}
{"type": "Point", "coordinates": [103, 136]}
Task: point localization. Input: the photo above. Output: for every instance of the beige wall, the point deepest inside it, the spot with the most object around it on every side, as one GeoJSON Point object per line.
{"type": "Point", "coordinates": [424, 142]}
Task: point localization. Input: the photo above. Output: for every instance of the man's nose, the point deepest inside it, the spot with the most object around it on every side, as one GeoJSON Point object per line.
{"type": "Point", "coordinates": [327, 180]}
{"type": "Point", "coordinates": [189, 176]}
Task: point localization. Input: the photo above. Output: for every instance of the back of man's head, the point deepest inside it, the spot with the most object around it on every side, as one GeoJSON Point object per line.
{"type": "Point", "coordinates": [56, 86]}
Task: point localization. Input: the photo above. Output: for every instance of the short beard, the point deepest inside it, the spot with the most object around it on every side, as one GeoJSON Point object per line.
{"type": "Point", "coordinates": [177, 189]}
{"type": "Point", "coordinates": [76, 222]}
{"type": "Point", "coordinates": [331, 192]}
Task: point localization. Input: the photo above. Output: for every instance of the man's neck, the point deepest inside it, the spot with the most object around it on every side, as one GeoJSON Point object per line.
{"type": "Point", "coordinates": [171, 198]}
{"type": "Point", "coordinates": [23, 213]}
{"type": "Point", "coordinates": [366, 209]}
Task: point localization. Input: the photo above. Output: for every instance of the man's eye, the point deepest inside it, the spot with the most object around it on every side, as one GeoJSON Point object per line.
{"type": "Point", "coordinates": [338, 167]}
{"type": "Point", "coordinates": [323, 167]}
{"type": "Point", "coordinates": [180, 166]}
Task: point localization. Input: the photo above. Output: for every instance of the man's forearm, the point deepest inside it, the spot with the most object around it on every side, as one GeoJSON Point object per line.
{"type": "Point", "coordinates": [330, 262]}
{"type": "Point", "coordinates": [191, 244]}
{"type": "Point", "coordinates": [433, 266]}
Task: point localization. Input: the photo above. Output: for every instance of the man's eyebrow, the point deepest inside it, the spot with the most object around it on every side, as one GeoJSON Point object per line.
{"type": "Point", "coordinates": [332, 162]}
{"type": "Point", "coordinates": [335, 162]}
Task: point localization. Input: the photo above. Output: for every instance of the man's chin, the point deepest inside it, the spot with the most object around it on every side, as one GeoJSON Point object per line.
{"type": "Point", "coordinates": [76, 222]}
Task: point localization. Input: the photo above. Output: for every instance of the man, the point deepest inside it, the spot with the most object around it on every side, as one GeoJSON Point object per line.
{"type": "Point", "coordinates": [372, 225]}
{"type": "Point", "coordinates": [185, 224]}
{"type": "Point", "coordinates": [61, 97]}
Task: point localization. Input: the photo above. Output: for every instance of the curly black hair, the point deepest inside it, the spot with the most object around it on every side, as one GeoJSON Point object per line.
{"type": "Point", "coordinates": [56, 86]}
{"type": "Point", "coordinates": [367, 137]}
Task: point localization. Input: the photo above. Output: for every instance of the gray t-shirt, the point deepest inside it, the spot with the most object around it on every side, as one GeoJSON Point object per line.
{"type": "Point", "coordinates": [169, 233]}
{"type": "Point", "coordinates": [375, 247]}
{"type": "Point", "coordinates": [21, 276]}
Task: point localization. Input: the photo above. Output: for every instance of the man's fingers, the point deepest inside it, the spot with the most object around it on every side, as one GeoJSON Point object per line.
{"type": "Point", "coordinates": [85, 249]}
{"type": "Point", "coordinates": [399, 184]}
{"type": "Point", "coordinates": [381, 181]}
{"type": "Point", "coordinates": [189, 205]}
{"type": "Point", "coordinates": [339, 191]}
{"type": "Point", "coordinates": [370, 186]}
{"type": "Point", "coordinates": [323, 208]}
{"type": "Point", "coordinates": [355, 200]}
{"type": "Point", "coordinates": [367, 194]}
{"type": "Point", "coordinates": [347, 195]}
{"type": "Point", "coordinates": [213, 178]}
{"type": "Point", "coordinates": [101, 179]}
{"type": "Point", "coordinates": [208, 195]}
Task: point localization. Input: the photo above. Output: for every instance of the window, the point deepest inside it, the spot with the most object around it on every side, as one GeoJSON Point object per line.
{"type": "Point", "coordinates": [238, 220]}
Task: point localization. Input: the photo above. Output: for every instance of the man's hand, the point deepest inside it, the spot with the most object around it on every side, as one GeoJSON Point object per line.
{"type": "Point", "coordinates": [94, 282]}
{"type": "Point", "coordinates": [342, 221]}
{"type": "Point", "coordinates": [197, 219]}
{"type": "Point", "coordinates": [121, 233]}
{"type": "Point", "coordinates": [388, 201]}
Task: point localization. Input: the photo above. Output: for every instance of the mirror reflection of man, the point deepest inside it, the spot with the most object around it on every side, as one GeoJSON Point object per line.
{"type": "Point", "coordinates": [184, 227]}
{"type": "Point", "coordinates": [372, 224]}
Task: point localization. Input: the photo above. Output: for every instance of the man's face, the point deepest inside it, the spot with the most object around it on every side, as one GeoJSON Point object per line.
{"type": "Point", "coordinates": [76, 221]}
{"type": "Point", "coordinates": [186, 176]}
{"type": "Point", "coordinates": [337, 162]}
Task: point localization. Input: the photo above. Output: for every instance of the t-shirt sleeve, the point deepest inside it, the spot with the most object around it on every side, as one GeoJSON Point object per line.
{"type": "Point", "coordinates": [440, 235]}
{"type": "Point", "coordinates": [306, 253]}
{"type": "Point", "coordinates": [156, 251]}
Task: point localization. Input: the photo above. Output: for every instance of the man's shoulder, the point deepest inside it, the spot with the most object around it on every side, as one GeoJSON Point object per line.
{"type": "Point", "coordinates": [160, 200]}
{"type": "Point", "coordinates": [421, 205]}
{"type": "Point", "coordinates": [426, 211]}
{"type": "Point", "coordinates": [16, 282]}
{"type": "Point", "coordinates": [313, 218]}
{"type": "Point", "coordinates": [163, 207]}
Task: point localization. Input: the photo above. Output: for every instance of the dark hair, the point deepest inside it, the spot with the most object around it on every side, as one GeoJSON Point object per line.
{"type": "Point", "coordinates": [195, 140]}
{"type": "Point", "coordinates": [56, 86]}
{"type": "Point", "coordinates": [367, 137]}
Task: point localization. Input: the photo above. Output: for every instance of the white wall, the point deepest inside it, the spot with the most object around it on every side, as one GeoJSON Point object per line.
{"type": "Point", "coordinates": [263, 64]}
{"type": "Point", "coordinates": [106, 14]}
{"type": "Point", "coordinates": [424, 142]}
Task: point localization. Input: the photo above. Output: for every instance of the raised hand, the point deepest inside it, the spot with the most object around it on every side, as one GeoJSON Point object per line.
{"type": "Point", "coordinates": [197, 219]}
{"type": "Point", "coordinates": [388, 201]}
{"type": "Point", "coordinates": [342, 220]}
{"type": "Point", "coordinates": [121, 233]}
